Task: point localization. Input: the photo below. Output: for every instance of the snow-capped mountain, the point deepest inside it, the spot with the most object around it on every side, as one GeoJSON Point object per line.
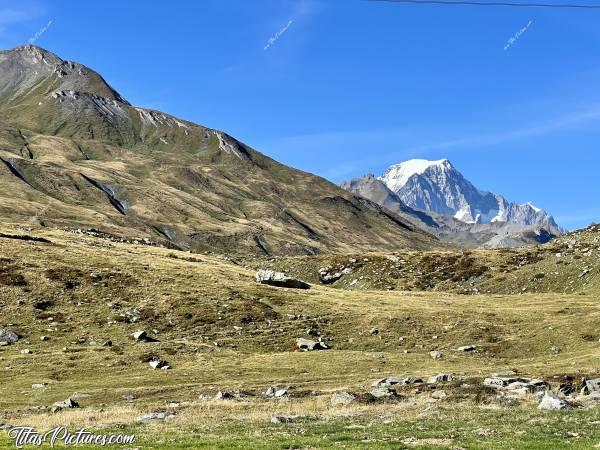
{"type": "Point", "coordinates": [438, 187]}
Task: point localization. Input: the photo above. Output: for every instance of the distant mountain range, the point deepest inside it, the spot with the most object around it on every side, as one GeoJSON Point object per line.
{"type": "Point", "coordinates": [74, 153]}
{"type": "Point", "coordinates": [436, 196]}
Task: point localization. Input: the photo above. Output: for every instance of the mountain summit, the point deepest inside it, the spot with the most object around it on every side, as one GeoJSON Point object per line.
{"type": "Point", "coordinates": [439, 187]}
{"type": "Point", "coordinates": [75, 154]}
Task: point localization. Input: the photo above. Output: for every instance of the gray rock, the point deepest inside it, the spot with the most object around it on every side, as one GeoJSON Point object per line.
{"type": "Point", "coordinates": [222, 395]}
{"type": "Point", "coordinates": [275, 392]}
{"type": "Point", "coordinates": [39, 385]}
{"type": "Point", "coordinates": [440, 378]}
{"type": "Point", "coordinates": [435, 354]}
{"type": "Point", "coordinates": [383, 392]}
{"type": "Point", "coordinates": [389, 381]}
{"type": "Point", "coordinates": [155, 416]}
{"type": "Point", "coordinates": [591, 386]}
{"type": "Point", "coordinates": [516, 385]}
{"type": "Point", "coordinates": [279, 279]}
{"type": "Point", "coordinates": [327, 277]}
{"type": "Point", "coordinates": [8, 337]}
{"type": "Point", "coordinates": [342, 398]}
{"type": "Point", "coordinates": [467, 348]}
{"type": "Point", "coordinates": [159, 364]}
{"type": "Point", "coordinates": [551, 402]}
{"type": "Point", "coordinates": [69, 403]}
{"type": "Point", "coordinates": [283, 419]}
{"type": "Point", "coordinates": [308, 345]}
{"type": "Point", "coordinates": [142, 336]}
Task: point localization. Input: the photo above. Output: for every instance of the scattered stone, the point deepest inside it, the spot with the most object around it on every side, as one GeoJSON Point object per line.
{"type": "Point", "coordinates": [591, 386]}
{"type": "Point", "coordinates": [275, 392]}
{"type": "Point", "coordinates": [383, 392]}
{"type": "Point", "coordinates": [221, 395]}
{"type": "Point", "coordinates": [26, 351]}
{"type": "Point", "coordinates": [129, 397]}
{"type": "Point", "coordinates": [283, 419]}
{"type": "Point", "coordinates": [567, 388]}
{"type": "Point", "coordinates": [440, 378]}
{"type": "Point", "coordinates": [551, 402]}
{"type": "Point", "coordinates": [142, 336]}
{"type": "Point", "coordinates": [555, 349]}
{"type": "Point", "coordinates": [44, 338]}
{"type": "Point", "coordinates": [308, 345]}
{"type": "Point", "coordinates": [155, 416]}
{"type": "Point", "coordinates": [435, 354]}
{"type": "Point", "coordinates": [69, 403]}
{"type": "Point", "coordinates": [373, 331]}
{"type": "Point", "coordinates": [39, 385]}
{"type": "Point", "coordinates": [204, 397]}
{"type": "Point", "coordinates": [159, 364]}
{"type": "Point", "coordinates": [8, 337]}
{"type": "Point", "coordinates": [467, 348]}
{"type": "Point", "coordinates": [516, 385]}
{"type": "Point", "coordinates": [279, 279]}
{"type": "Point", "coordinates": [327, 277]}
{"type": "Point", "coordinates": [342, 398]}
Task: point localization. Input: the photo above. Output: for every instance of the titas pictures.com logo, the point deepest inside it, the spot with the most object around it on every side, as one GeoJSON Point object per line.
{"type": "Point", "coordinates": [22, 436]}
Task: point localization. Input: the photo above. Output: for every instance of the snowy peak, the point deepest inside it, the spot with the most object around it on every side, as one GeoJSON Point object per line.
{"type": "Point", "coordinates": [437, 186]}
{"type": "Point", "coordinates": [398, 175]}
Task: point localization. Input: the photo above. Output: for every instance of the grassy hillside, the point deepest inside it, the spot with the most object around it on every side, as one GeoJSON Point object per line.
{"type": "Point", "coordinates": [74, 153]}
{"type": "Point", "coordinates": [221, 331]}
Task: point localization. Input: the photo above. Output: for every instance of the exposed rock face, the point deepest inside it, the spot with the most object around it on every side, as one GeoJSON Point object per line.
{"type": "Point", "coordinates": [279, 279]}
{"type": "Point", "coordinates": [516, 385]}
{"type": "Point", "coordinates": [438, 187]}
{"type": "Point", "coordinates": [551, 402]}
{"type": "Point", "coordinates": [8, 337]}
{"type": "Point", "coordinates": [308, 345]}
{"type": "Point", "coordinates": [513, 225]}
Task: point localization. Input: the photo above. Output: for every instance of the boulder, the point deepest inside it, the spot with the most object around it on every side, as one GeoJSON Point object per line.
{"type": "Point", "coordinates": [342, 398]}
{"type": "Point", "coordinates": [140, 335]}
{"type": "Point", "coordinates": [279, 279]}
{"type": "Point", "coordinates": [275, 392]}
{"type": "Point", "coordinates": [159, 364]}
{"type": "Point", "coordinates": [307, 345]}
{"type": "Point", "coordinates": [69, 403]}
{"type": "Point", "coordinates": [283, 419]}
{"type": "Point", "coordinates": [327, 277]}
{"type": "Point", "coordinates": [389, 381]}
{"type": "Point", "coordinates": [591, 386]}
{"type": "Point", "coordinates": [516, 385]}
{"type": "Point", "coordinates": [8, 337]}
{"type": "Point", "coordinates": [383, 392]}
{"type": "Point", "coordinates": [467, 348]}
{"type": "Point", "coordinates": [435, 354]}
{"type": "Point", "coordinates": [551, 402]}
{"type": "Point", "coordinates": [440, 378]}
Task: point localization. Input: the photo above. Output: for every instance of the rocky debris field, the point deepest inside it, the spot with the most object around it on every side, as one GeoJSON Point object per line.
{"type": "Point", "coordinates": [570, 263]}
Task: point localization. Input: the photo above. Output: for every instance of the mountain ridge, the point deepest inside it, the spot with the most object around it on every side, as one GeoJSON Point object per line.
{"type": "Point", "coordinates": [74, 153]}
{"type": "Point", "coordinates": [439, 187]}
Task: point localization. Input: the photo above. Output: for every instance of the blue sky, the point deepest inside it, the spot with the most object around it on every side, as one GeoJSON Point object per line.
{"type": "Point", "coordinates": [351, 86]}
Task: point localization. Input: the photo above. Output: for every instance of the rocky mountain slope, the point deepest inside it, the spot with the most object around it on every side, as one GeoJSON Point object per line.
{"type": "Point", "coordinates": [438, 187]}
{"type": "Point", "coordinates": [433, 195]}
{"type": "Point", "coordinates": [74, 153]}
